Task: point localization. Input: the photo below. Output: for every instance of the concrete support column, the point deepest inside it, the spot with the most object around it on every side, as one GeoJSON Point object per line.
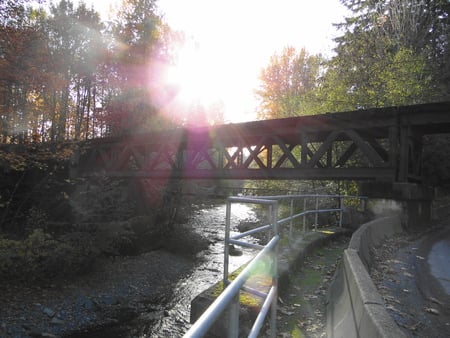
{"type": "Point", "coordinates": [416, 214]}
{"type": "Point", "coordinates": [415, 199]}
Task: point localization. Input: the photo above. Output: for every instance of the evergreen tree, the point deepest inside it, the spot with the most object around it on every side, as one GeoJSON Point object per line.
{"type": "Point", "coordinates": [391, 52]}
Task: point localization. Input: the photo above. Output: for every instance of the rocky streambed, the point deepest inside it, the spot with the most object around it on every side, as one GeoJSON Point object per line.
{"type": "Point", "coordinates": [134, 296]}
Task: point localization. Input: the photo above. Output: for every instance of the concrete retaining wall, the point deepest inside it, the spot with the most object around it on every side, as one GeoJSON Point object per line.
{"type": "Point", "coordinates": [355, 308]}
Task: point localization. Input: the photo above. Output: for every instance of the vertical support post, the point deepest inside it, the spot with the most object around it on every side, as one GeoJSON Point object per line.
{"type": "Point", "coordinates": [316, 218]}
{"type": "Point", "coordinates": [393, 147]}
{"type": "Point", "coordinates": [273, 315]}
{"type": "Point", "coordinates": [304, 215]}
{"type": "Point", "coordinates": [304, 149]}
{"type": "Point", "coordinates": [404, 154]}
{"type": "Point", "coordinates": [329, 157]}
{"type": "Point", "coordinates": [364, 204]}
{"type": "Point", "coordinates": [271, 215]}
{"type": "Point", "coordinates": [220, 158]}
{"type": "Point", "coordinates": [226, 256]}
{"type": "Point", "coordinates": [341, 208]}
{"type": "Point", "coordinates": [269, 156]}
{"type": "Point", "coordinates": [233, 317]}
{"type": "Point", "coordinates": [291, 221]}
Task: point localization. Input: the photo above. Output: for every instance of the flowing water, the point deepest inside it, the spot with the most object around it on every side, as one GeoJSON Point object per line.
{"type": "Point", "coordinates": [209, 221]}
{"type": "Point", "coordinates": [173, 319]}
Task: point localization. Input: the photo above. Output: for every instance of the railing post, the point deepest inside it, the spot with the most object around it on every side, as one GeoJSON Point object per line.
{"type": "Point", "coordinates": [233, 318]}
{"type": "Point", "coordinates": [226, 256]}
{"type": "Point", "coordinates": [273, 317]}
{"type": "Point", "coordinates": [341, 207]}
{"type": "Point", "coordinates": [291, 222]}
{"type": "Point", "coordinates": [304, 215]}
{"type": "Point", "coordinates": [316, 219]}
{"type": "Point", "coordinates": [270, 230]}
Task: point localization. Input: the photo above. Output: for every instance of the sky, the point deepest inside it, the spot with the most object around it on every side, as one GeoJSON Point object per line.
{"type": "Point", "coordinates": [231, 41]}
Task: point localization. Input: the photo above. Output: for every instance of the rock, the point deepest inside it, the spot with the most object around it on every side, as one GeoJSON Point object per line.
{"type": "Point", "coordinates": [110, 300]}
{"type": "Point", "coordinates": [49, 312]}
{"type": "Point", "coordinates": [86, 303]}
{"type": "Point", "coordinates": [57, 321]}
{"type": "Point", "coordinates": [234, 252]}
{"type": "Point", "coordinates": [35, 333]}
{"type": "Point", "coordinates": [48, 335]}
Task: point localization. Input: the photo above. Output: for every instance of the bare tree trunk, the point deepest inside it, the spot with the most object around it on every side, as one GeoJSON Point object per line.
{"type": "Point", "coordinates": [61, 135]}
{"type": "Point", "coordinates": [54, 127]}
{"type": "Point", "coordinates": [88, 108]}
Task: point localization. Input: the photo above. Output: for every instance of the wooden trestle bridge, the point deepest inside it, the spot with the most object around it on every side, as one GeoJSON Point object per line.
{"type": "Point", "coordinates": [382, 144]}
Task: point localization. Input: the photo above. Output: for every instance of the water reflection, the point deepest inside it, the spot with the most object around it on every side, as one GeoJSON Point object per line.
{"type": "Point", "coordinates": [210, 222]}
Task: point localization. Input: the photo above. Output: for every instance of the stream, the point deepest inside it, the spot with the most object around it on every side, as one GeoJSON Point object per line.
{"type": "Point", "coordinates": [210, 221]}
{"type": "Point", "coordinates": [173, 318]}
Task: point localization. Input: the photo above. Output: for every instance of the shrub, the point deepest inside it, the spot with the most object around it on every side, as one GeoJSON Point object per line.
{"type": "Point", "coordinates": [40, 256]}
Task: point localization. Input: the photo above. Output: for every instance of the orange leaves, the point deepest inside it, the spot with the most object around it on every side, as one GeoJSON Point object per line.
{"type": "Point", "coordinates": [23, 157]}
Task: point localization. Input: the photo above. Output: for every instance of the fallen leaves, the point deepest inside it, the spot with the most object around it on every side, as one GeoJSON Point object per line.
{"type": "Point", "coordinates": [407, 274]}
{"type": "Point", "coordinates": [301, 312]}
{"type": "Point", "coordinates": [394, 272]}
{"type": "Point", "coordinates": [285, 311]}
{"type": "Point", "coordinates": [433, 311]}
{"type": "Point", "coordinates": [434, 300]}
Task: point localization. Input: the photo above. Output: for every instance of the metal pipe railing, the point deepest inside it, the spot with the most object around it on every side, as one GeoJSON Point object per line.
{"type": "Point", "coordinates": [204, 323]}
{"type": "Point", "coordinates": [316, 211]}
{"type": "Point", "coordinates": [230, 296]}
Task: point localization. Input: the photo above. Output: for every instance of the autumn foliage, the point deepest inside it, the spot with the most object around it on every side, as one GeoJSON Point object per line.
{"type": "Point", "coordinates": [67, 75]}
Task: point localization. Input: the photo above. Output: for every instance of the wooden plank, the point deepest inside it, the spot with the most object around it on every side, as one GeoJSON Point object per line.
{"type": "Point", "coordinates": [383, 174]}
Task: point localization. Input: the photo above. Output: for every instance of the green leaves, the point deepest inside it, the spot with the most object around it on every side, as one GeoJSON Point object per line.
{"type": "Point", "coordinates": [287, 84]}
{"type": "Point", "coordinates": [389, 55]}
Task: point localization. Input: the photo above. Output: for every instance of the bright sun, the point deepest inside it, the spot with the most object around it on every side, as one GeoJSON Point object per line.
{"type": "Point", "coordinates": [196, 81]}
{"type": "Point", "coordinates": [193, 75]}
{"type": "Point", "coordinates": [210, 79]}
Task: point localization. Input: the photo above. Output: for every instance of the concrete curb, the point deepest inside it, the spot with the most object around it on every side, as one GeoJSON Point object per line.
{"type": "Point", "coordinates": [355, 308]}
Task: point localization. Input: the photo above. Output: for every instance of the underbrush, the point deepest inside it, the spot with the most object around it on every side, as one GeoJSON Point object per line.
{"type": "Point", "coordinates": [43, 254]}
{"type": "Point", "coordinates": [40, 256]}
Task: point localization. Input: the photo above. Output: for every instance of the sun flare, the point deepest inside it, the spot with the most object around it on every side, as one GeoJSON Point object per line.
{"type": "Point", "coordinates": [194, 76]}
{"type": "Point", "coordinates": [210, 80]}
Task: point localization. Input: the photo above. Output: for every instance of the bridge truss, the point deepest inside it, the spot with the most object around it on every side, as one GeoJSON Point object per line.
{"type": "Point", "coordinates": [378, 144]}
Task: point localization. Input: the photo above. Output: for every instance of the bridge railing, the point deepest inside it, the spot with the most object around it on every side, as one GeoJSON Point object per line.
{"type": "Point", "coordinates": [308, 207]}
{"type": "Point", "coordinates": [229, 298]}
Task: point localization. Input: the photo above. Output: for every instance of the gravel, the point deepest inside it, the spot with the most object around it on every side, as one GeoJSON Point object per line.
{"type": "Point", "coordinates": [116, 291]}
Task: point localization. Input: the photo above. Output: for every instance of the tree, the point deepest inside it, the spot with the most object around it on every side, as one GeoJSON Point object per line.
{"type": "Point", "coordinates": [288, 87]}
{"type": "Point", "coordinates": [66, 75]}
{"type": "Point", "coordinates": [424, 28]}
{"type": "Point", "coordinates": [395, 46]}
{"type": "Point", "coordinates": [138, 54]}
{"type": "Point", "coordinates": [23, 56]}
{"type": "Point", "coordinates": [358, 78]}
{"type": "Point", "coordinates": [288, 83]}
{"type": "Point", "coordinates": [76, 47]}
{"type": "Point", "coordinates": [13, 13]}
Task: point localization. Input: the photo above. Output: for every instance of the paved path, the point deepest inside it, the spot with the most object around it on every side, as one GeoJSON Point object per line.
{"type": "Point", "coordinates": [409, 276]}
{"type": "Point", "coordinates": [439, 262]}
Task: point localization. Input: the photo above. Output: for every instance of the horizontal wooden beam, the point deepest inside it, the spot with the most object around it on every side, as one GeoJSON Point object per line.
{"type": "Point", "coordinates": [381, 174]}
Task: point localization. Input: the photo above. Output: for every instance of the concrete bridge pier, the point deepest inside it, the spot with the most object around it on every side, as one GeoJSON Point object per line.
{"type": "Point", "coordinates": [416, 200]}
